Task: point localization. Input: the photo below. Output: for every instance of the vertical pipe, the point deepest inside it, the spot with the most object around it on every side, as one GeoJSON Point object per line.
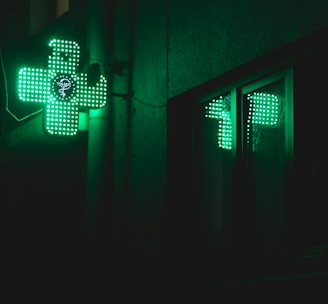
{"type": "Point", "coordinates": [97, 42]}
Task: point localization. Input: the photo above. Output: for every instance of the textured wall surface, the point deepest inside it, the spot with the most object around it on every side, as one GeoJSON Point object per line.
{"type": "Point", "coordinates": [208, 38]}
{"type": "Point", "coordinates": [148, 121]}
{"type": "Point", "coordinates": [174, 47]}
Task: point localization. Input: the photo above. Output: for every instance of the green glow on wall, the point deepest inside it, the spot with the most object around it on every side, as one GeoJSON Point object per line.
{"type": "Point", "coordinates": [263, 110]}
{"type": "Point", "coordinates": [61, 89]}
{"type": "Point", "coordinates": [220, 109]}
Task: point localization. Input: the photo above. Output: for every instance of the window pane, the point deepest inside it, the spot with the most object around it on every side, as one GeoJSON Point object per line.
{"type": "Point", "coordinates": [264, 138]}
{"type": "Point", "coordinates": [212, 165]}
{"type": "Point", "coordinates": [266, 119]}
{"type": "Point", "coordinates": [220, 110]}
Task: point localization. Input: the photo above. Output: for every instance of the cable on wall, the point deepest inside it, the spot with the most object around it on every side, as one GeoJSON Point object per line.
{"type": "Point", "coordinates": [6, 94]}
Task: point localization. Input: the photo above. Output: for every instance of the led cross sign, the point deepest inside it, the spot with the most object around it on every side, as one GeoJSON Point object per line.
{"type": "Point", "coordinates": [61, 89]}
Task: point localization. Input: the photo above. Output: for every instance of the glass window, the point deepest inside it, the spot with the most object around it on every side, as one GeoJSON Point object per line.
{"type": "Point", "coordinates": [220, 109]}
{"type": "Point", "coordinates": [243, 139]}
{"type": "Point", "coordinates": [265, 117]}
{"type": "Point", "coordinates": [264, 139]}
{"type": "Point", "coordinates": [213, 143]}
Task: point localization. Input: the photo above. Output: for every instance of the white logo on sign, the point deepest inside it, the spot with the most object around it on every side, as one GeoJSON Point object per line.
{"type": "Point", "coordinates": [64, 84]}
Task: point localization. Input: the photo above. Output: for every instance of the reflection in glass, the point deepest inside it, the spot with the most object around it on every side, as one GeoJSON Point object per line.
{"type": "Point", "coordinates": [220, 109]}
{"type": "Point", "coordinates": [265, 117]}
{"type": "Point", "coordinates": [265, 138]}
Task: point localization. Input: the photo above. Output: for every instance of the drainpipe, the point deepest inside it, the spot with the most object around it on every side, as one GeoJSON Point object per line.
{"type": "Point", "coordinates": [98, 135]}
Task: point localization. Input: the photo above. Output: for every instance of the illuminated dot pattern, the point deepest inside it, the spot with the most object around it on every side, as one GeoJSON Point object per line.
{"type": "Point", "coordinates": [33, 85]}
{"type": "Point", "coordinates": [91, 97]}
{"type": "Point", "coordinates": [220, 109]}
{"type": "Point", "coordinates": [62, 90]}
{"type": "Point", "coordinates": [263, 110]}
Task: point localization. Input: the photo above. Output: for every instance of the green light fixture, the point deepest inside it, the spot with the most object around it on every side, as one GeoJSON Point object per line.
{"type": "Point", "coordinates": [61, 89]}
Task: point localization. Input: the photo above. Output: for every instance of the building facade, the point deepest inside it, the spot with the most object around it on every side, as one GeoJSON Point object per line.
{"type": "Point", "coordinates": [210, 145]}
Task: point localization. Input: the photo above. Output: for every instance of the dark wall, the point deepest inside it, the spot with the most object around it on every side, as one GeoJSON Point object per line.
{"type": "Point", "coordinates": [165, 49]}
{"type": "Point", "coordinates": [180, 45]}
{"type": "Point", "coordinates": [209, 38]}
{"type": "Point", "coordinates": [42, 216]}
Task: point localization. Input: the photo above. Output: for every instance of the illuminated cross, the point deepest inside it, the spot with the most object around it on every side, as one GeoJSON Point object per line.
{"type": "Point", "coordinates": [61, 89]}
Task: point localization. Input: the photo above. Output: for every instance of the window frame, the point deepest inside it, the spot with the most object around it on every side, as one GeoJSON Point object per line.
{"type": "Point", "coordinates": [238, 88]}
{"type": "Point", "coordinates": [287, 77]}
{"type": "Point", "coordinates": [236, 212]}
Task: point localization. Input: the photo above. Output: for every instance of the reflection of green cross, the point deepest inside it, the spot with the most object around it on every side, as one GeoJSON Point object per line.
{"type": "Point", "coordinates": [220, 109]}
{"type": "Point", "coordinates": [61, 89]}
{"type": "Point", "coordinates": [263, 111]}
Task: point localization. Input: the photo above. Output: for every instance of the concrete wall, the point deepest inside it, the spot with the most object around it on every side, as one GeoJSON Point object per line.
{"type": "Point", "coordinates": [170, 47]}
{"type": "Point", "coordinates": [160, 50]}
{"type": "Point", "coordinates": [148, 122]}
{"type": "Point", "coordinates": [209, 38]}
{"type": "Point", "coordinates": [176, 46]}
{"type": "Point", "coordinates": [139, 126]}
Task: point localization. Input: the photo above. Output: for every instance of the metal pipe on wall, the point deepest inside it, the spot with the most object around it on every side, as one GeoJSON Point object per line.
{"type": "Point", "coordinates": [98, 136]}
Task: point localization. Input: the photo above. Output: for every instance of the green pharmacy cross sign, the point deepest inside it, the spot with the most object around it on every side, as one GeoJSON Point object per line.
{"type": "Point", "coordinates": [61, 89]}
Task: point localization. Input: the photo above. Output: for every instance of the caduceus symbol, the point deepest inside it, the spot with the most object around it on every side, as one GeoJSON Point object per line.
{"type": "Point", "coordinates": [64, 85]}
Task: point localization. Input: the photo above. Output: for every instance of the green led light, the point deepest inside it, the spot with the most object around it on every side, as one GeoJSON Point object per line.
{"type": "Point", "coordinates": [263, 110]}
{"type": "Point", "coordinates": [220, 109]}
{"type": "Point", "coordinates": [61, 89]}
